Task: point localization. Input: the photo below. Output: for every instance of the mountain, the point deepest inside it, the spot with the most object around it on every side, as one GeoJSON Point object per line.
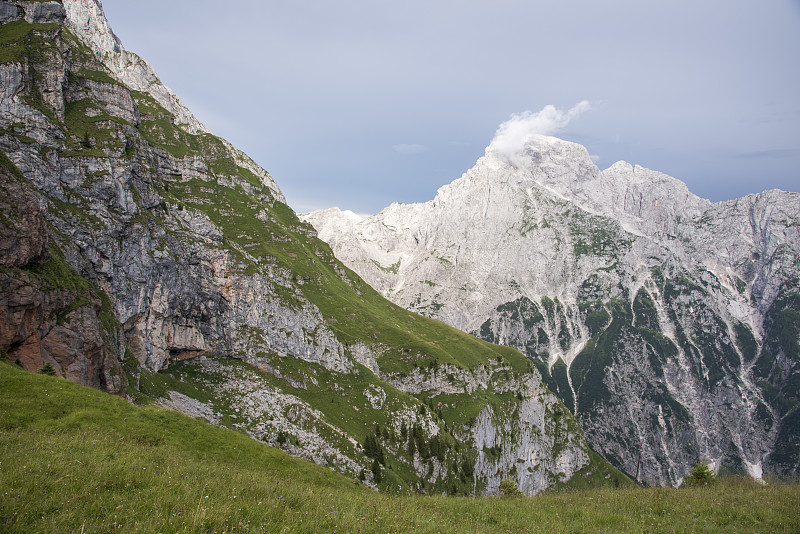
{"type": "Point", "coordinates": [666, 323]}
{"type": "Point", "coordinates": [145, 256]}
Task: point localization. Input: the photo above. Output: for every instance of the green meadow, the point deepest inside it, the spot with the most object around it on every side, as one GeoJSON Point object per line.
{"type": "Point", "coordinates": [73, 459]}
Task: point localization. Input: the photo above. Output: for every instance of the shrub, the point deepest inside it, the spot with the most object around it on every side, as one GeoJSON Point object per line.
{"type": "Point", "coordinates": [508, 488]}
{"type": "Point", "coordinates": [700, 475]}
{"type": "Point", "coordinates": [48, 369]}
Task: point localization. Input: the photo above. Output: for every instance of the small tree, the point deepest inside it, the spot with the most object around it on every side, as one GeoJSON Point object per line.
{"type": "Point", "coordinates": [376, 471]}
{"type": "Point", "coordinates": [281, 439]}
{"type": "Point", "coordinates": [48, 369]}
{"type": "Point", "coordinates": [370, 446]}
{"type": "Point", "coordinates": [412, 448]}
{"type": "Point", "coordinates": [467, 469]}
{"type": "Point", "coordinates": [508, 488]}
{"type": "Point", "coordinates": [700, 475]}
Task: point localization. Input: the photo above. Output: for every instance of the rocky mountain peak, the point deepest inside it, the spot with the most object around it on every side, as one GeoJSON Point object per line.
{"type": "Point", "coordinates": [638, 300]}
{"type": "Point", "coordinates": [88, 21]}
{"type": "Point", "coordinates": [639, 197]}
{"type": "Point", "coordinates": [537, 150]}
{"type": "Point", "coordinates": [548, 161]}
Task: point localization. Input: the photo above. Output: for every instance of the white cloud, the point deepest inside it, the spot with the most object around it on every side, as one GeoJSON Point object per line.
{"type": "Point", "coordinates": [512, 135]}
{"type": "Point", "coordinates": [409, 149]}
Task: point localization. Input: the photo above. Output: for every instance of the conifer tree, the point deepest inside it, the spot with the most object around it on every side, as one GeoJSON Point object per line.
{"type": "Point", "coordinates": [376, 471]}
{"type": "Point", "coordinates": [700, 475]}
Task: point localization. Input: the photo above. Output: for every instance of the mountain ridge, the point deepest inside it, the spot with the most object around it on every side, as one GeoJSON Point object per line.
{"type": "Point", "coordinates": [86, 19]}
{"type": "Point", "coordinates": [543, 251]}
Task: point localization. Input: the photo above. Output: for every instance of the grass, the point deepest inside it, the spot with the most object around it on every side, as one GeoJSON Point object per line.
{"type": "Point", "coordinates": [92, 131]}
{"type": "Point", "coordinates": [73, 459]}
{"type": "Point", "coordinates": [58, 274]}
{"type": "Point", "coordinates": [20, 40]}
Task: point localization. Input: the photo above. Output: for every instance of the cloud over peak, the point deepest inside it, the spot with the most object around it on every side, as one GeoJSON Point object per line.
{"type": "Point", "coordinates": [512, 135]}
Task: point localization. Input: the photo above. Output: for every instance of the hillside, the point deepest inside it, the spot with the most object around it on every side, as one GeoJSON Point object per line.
{"type": "Point", "coordinates": [155, 260]}
{"type": "Point", "coordinates": [74, 459]}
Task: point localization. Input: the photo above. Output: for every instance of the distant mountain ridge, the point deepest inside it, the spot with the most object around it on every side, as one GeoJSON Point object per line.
{"type": "Point", "coordinates": [660, 318]}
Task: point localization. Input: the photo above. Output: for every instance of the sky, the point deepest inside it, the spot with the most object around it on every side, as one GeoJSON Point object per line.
{"type": "Point", "coordinates": [360, 103]}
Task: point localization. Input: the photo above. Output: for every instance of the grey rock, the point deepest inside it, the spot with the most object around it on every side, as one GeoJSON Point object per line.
{"type": "Point", "coordinates": [43, 12]}
{"type": "Point", "coordinates": [550, 255]}
{"type": "Point", "coordinates": [39, 322]}
{"type": "Point", "coordinates": [9, 11]}
{"type": "Point", "coordinates": [23, 232]}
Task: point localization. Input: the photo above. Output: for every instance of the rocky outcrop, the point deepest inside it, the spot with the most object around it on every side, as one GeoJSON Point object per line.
{"type": "Point", "coordinates": [32, 12]}
{"type": "Point", "coordinates": [649, 311]}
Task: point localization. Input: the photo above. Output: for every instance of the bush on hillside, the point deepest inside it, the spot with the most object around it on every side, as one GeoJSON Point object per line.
{"type": "Point", "coordinates": [508, 488]}
{"type": "Point", "coordinates": [48, 369]}
{"type": "Point", "coordinates": [700, 475]}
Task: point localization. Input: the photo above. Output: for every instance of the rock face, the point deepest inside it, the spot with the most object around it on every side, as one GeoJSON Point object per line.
{"type": "Point", "coordinates": [174, 257]}
{"type": "Point", "coordinates": [662, 320]}
{"type": "Point", "coordinates": [47, 313]}
{"type": "Point", "coordinates": [23, 234]}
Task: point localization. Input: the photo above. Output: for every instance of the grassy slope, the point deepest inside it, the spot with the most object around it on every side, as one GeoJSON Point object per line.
{"type": "Point", "coordinates": [73, 459]}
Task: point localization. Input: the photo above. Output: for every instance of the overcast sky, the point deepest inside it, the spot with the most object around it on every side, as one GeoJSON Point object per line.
{"type": "Point", "coordinates": [358, 103]}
